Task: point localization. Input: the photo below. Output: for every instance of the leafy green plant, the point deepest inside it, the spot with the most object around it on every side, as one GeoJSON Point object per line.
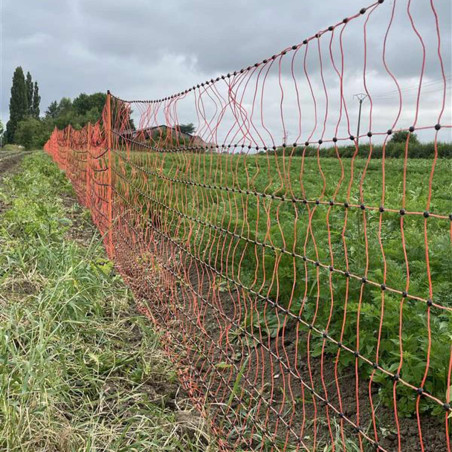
{"type": "Point", "coordinates": [304, 229]}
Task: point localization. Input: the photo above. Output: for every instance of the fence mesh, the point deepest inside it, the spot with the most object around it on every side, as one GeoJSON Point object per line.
{"type": "Point", "coordinates": [301, 285]}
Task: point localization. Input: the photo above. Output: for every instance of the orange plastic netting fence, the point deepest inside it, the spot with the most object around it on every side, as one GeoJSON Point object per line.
{"type": "Point", "coordinates": [302, 286]}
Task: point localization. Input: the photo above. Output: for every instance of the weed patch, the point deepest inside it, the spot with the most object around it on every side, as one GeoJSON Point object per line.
{"type": "Point", "coordinates": [79, 369]}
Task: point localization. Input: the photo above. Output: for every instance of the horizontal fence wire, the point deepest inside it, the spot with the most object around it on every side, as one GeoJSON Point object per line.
{"type": "Point", "coordinates": [301, 286]}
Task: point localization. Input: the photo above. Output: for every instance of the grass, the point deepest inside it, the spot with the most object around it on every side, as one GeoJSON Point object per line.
{"type": "Point", "coordinates": [79, 369]}
{"type": "Point", "coordinates": [11, 148]}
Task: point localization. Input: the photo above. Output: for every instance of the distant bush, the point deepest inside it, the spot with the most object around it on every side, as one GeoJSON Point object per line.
{"type": "Point", "coordinates": [12, 147]}
{"type": "Point", "coordinates": [32, 133]}
{"type": "Point", "coordinates": [402, 135]}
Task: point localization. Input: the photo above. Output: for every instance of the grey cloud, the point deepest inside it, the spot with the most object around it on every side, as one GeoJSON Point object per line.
{"type": "Point", "coordinates": [150, 49]}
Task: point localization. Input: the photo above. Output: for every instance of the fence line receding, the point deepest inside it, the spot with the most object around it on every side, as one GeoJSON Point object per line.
{"type": "Point", "coordinates": [298, 269]}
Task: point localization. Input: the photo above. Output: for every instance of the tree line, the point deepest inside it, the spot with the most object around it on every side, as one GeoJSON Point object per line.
{"type": "Point", "coordinates": [28, 128]}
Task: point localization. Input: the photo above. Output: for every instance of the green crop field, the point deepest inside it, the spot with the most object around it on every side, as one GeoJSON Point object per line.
{"type": "Point", "coordinates": [217, 205]}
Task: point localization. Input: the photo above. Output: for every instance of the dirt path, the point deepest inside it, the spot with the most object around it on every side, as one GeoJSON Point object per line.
{"type": "Point", "coordinates": [9, 161]}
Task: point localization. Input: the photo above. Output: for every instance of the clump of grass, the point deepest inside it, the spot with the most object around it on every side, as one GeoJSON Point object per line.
{"type": "Point", "coordinates": [79, 369]}
{"type": "Point", "coordinates": [12, 147]}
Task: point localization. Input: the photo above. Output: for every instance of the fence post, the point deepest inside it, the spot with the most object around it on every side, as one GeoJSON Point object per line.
{"type": "Point", "coordinates": [109, 182]}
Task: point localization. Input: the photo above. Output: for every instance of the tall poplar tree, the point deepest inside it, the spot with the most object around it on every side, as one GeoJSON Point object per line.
{"type": "Point", "coordinates": [18, 104]}
{"type": "Point", "coordinates": [36, 101]}
{"type": "Point", "coordinates": [29, 85]}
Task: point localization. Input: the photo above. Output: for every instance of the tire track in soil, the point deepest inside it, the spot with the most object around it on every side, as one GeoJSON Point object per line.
{"type": "Point", "coordinates": [9, 163]}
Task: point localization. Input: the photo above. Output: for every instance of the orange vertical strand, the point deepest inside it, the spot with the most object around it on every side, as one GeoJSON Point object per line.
{"type": "Point", "coordinates": [88, 165]}
{"type": "Point", "coordinates": [66, 150]}
{"type": "Point", "coordinates": [109, 190]}
{"type": "Point", "coordinates": [448, 398]}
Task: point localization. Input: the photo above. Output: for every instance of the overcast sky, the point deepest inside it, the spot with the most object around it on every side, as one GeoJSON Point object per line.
{"type": "Point", "coordinates": [147, 49]}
